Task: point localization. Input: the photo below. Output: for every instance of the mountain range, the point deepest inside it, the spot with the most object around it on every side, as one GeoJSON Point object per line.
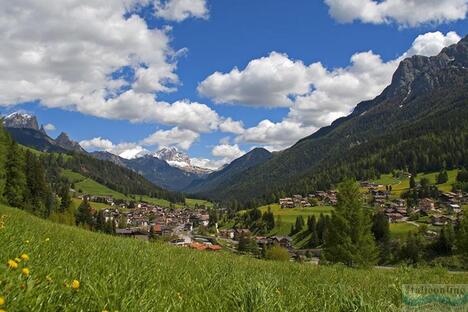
{"type": "Point", "coordinates": [167, 168]}
{"type": "Point", "coordinates": [417, 123]}
{"type": "Point", "coordinates": [25, 130]}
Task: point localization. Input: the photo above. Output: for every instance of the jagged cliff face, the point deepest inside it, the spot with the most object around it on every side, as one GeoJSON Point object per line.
{"type": "Point", "coordinates": [21, 120]}
{"type": "Point", "coordinates": [420, 74]}
{"type": "Point", "coordinates": [180, 160]}
{"type": "Point", "coordinates": [64, 141]}
{"type": "Point", "coordinates": [25, 130]}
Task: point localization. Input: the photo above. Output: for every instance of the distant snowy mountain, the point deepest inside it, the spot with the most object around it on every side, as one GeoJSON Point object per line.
{"type": "Point", "coordinates": [180, 160]}
{"type": "Point", "coordinates": [21, 120]}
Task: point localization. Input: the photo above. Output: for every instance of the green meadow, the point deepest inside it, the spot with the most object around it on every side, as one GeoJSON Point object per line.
{"type": "Point", "coordinates": [401, 185]}
{"type": "Point", "coordinates": [285, 218]}
{"type": "Point", "coordinates": [123, 274]}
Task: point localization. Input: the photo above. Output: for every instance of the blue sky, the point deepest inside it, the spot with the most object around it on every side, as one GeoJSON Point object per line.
{"type": "Point", "coordinates": [178, 45]}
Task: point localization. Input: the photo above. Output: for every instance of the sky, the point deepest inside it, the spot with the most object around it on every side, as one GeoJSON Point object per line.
{"type": "Point", "coordinates": [214, 78]}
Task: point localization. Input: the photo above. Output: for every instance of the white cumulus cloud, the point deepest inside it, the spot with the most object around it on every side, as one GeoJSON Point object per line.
{"type": "Point", "coordinates": [125, 150]}
{"type": "Point", "coordinates": [182, 138]}
{"type": "Point", "coordinates": [227, 151]}
{"type": "Point", "coordinates": [50, 127]}
{"type": "Point", "coordinates": [179, 10]}
{"type": "Point", "coordinates": [71, 60]}
{"type": "Point", "coordinates": [407, 13]}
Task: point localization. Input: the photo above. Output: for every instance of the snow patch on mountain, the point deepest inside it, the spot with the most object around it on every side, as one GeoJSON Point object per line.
{"type": "Point", "coordinates": [21, 120]}
{"type": "Point", "coordinates": [175, 158]}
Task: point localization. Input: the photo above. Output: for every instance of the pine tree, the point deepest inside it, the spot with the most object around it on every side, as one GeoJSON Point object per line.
{"type": "Point", "coordinates": [446, 240]}
{"type": "Point", "coordinates": [442, 177]}
{"type": "Point", "coordinates": [381, 227]}
{"type": "Point", "coordinates": [65, 197]}
{"type": "Point", "coordinates": [321, 228]}
{"type": "Point", "coordinates": [37, 195]}
{"type": "Point", "coordinates": [349, 239]}
{"type": "Point", "coordinates": [5, 143]}
{"type": "Point", "coordinates": [269, 219]}
{"type": "Point", "coordinates": [381, 232]}
{"type": "Point", "coordinates": [412, 182]}
{"type": "Point", "coordinates": [299, 225]}
{"type": "Point", "coordinates": [412, 250]}
{"type": "Point", "coordinates": [312, 224]}
{"type": "Point", "coordinates": [312, 229]}
{"type": "Point", "coordinates": [84, 215]}
{"type": "Point", "coordinates": [15, 186]}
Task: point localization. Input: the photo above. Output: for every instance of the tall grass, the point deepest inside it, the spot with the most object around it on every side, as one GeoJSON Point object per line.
{"type": "Point", "coordinates": [130, 275]}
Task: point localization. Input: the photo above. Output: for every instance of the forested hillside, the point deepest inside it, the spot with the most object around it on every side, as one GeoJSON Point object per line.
{"type": "Point", "coordinates": [32, 180]}
{"type": "Point", "coordinates": [230, 173]}
{"type": "Point", "coordinates": [418, 124]}
{"type": "Point", "coordinates": [118, 178]}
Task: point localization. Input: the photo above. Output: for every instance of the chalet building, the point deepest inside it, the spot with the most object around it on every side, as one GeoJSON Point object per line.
{"type": "Point", "coordinates": [283, 241]}
{"type": "Point", "coordinates": [286, 203]}
{"type": "Point", "coordinates": [230, 233]}
{"type": "Point", "coordinates": [426, 205]}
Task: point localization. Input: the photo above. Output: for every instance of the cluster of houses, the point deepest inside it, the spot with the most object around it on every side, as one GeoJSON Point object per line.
{"type": "Point", "coordinates": [299, 201]}
{"type": "Point", "coordinates": [441, 211]}
{"type": "Point", "coordinates": [236, 234]}
{"type": "Point", "coordinates": [263, 242]}
{"type": "Point", "coordinates": [145, 220]}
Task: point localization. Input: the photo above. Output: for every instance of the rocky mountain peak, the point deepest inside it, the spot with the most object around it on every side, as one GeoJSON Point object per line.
{"type": "Point", "coordinates": [419, 74]}
{"type": "Point", "coordinates": [21, 120]}
{"type": "Point", "coordinates": [178, 159]}
{"type": "Point", "coordinates": [172, 154]}
{"type": "Point", "coordinates": [64, 141]}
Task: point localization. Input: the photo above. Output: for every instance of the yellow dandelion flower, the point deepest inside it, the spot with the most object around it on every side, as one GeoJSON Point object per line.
{"type": "Point", "coordinates": [25, 257]}
{"type": "Point", "coordinates": [75, 284]}
{"type": "Point", "coordinates": [12, 264]}
{"type": "Point", "coordinates": [27, 241]}
{"type": "Point", "coordinates": [47, 239]}
{"type": "Point", "coordinates": [2, 301]}
{"type": "Point", "coordinates": [1, 310]}
{"type": "Point", "coordinates": [25, 272]}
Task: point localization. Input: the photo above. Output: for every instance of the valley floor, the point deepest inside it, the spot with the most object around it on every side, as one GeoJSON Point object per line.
{"type": "Point", "coordinates": [130, 275]}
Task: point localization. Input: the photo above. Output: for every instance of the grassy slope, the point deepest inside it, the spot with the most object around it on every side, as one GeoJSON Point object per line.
{"type": "Point", "coordinates": [400, 230]}
{"type": "Point", "coordinates": [130, 275]}
{"type": "Point", "coordinates": [190, 202]}
{"type": "Point", "coordinates": [91, 187]}
{"type": "Point", "coordinates": [400, 186]}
